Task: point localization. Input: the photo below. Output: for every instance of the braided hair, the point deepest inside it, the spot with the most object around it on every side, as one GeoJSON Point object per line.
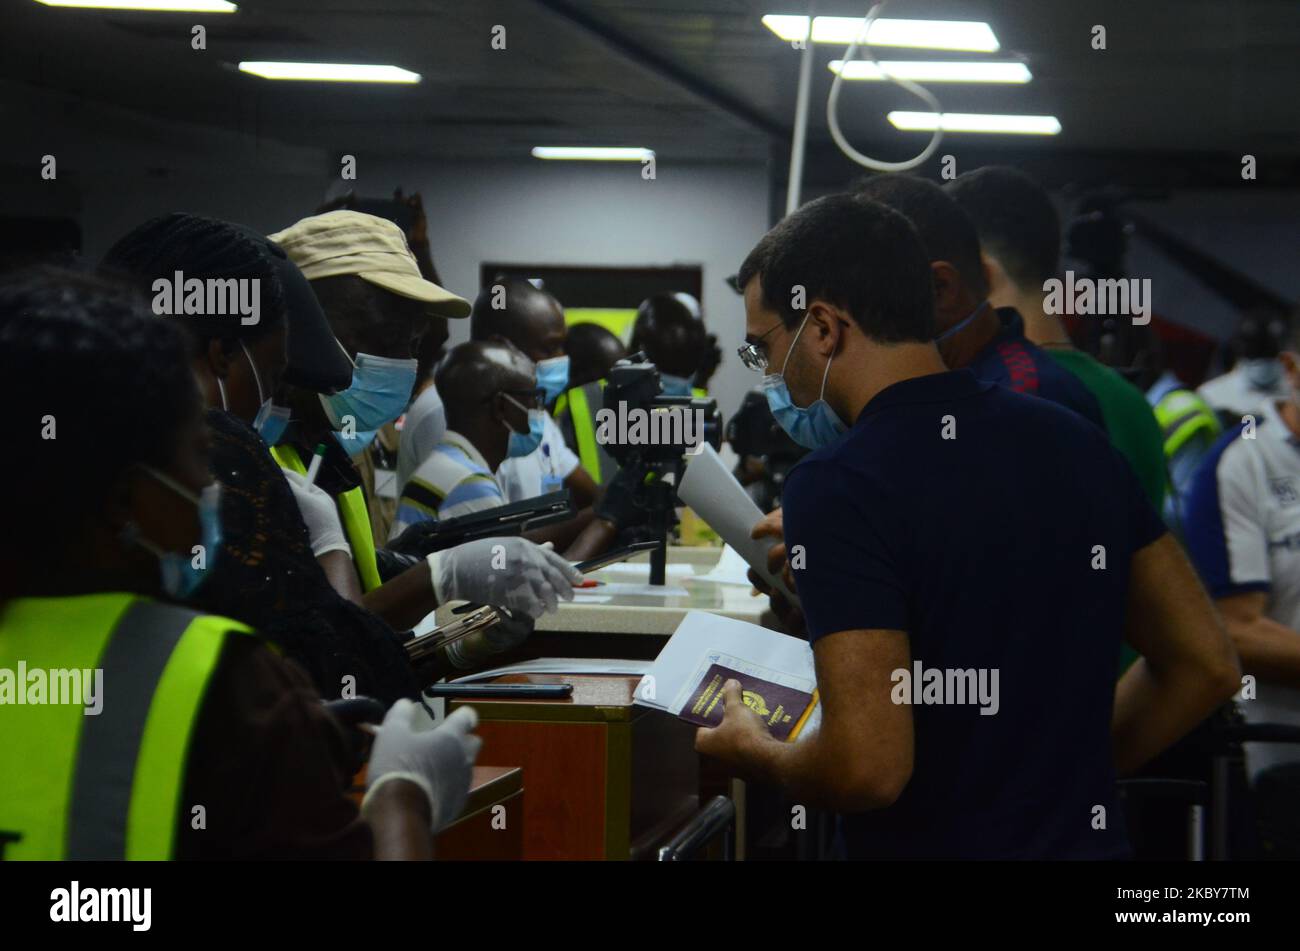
{"type": "Point", "coordinates": [92, 384]}
{"type": "Point", "coordinates": [206, 249]}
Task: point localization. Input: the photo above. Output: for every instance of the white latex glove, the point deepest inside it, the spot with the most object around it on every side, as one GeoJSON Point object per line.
{"type": "Point", "coordinates": [438, 760]}
{"type": "Point", "coordinates": [321, 515]}
{"type": "Point", "coordinates": [511, 573]}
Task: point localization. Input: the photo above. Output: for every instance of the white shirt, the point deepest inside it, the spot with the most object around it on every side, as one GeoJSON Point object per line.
{"type": "Point", "coordinates": [422, 429]}
{"type": "Point", "coordinates": [1234, 394]}
{"type": "Point", "coordinates": [1243, 531]}
{"type": "Point", "coordinates": [541, 471]}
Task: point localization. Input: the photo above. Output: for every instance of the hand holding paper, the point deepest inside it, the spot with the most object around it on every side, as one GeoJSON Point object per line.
{"type": "Point", "coordinates": [772, 525]}
{"type": "Point", "coordinates": [715, 495]}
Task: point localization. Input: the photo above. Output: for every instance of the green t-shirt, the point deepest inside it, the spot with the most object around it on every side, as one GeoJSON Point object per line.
{"type": "Point", "coordinates": [1130, 421]}
{"type": "Point", "coordinates": [1132, 428]}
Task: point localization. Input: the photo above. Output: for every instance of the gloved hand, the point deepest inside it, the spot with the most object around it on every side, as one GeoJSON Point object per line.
{"type": "Point", "coordinates": [418, 539]}
{"type": "Point", "coordinates": [623, 503]}
{"type": "Point", "coordinates": [479, 648]}
{"type": "Point", "coordinates": [511, 573]}
{"type": "Point", "coordinates": [320, 514]}
{"type": "Point", "coordinates": [438, 760]}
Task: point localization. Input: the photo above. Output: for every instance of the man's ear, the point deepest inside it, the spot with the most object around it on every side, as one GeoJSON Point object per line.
{"type": "Point", "coordinates": [825, 326]}
{"type": "Point", "coordinates": [218, 359]}
{"type": "Point", "coordinates": [119, 500]}
{"type": "Point", "coordinates": [499, 407]}
{"type": "Point", "coordinates": [1001, 289]}
{"type": "Point", "coordinates": [948, 287]}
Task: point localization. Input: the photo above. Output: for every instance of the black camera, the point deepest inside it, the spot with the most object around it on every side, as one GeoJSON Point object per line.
{"type": "Point", "coordinates": [641, 425]}
{"type": "Point", "coordinates": [649, 435]}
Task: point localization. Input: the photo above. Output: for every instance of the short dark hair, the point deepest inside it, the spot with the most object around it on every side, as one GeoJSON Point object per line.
{"type": "Point", "coordinates": [1016, 221]}
{"type": "Point", "coordinates": [114, 382]}
{"type": "Point", "coordinates": [592, 350]}
{"type": "Point", "coordinates": [473, 372]}
{"type": "Point", "coordinates": [946, 231]}
{"type": "Point", "coordinates": [669, 334]}
{"type": "Point", "coordinates": [202, 248]}
{"type": "Point", "coordinates": [858, 255]}
{"type": "Point", "coordinates": [521, 298]}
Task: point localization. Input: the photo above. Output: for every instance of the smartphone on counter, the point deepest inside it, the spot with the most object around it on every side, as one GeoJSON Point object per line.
{"type": "Point", "coordinates": [613, 557]}
{"type": "Point", "coordinates": [500, 691]}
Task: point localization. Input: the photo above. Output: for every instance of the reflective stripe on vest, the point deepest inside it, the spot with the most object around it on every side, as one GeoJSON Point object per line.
{"type": "Point", "coordinates": [1181, 415]}
{"type": "Point", "coordinates": [104, 786]}
{"type": "Point", "coordinates": [354, 515]}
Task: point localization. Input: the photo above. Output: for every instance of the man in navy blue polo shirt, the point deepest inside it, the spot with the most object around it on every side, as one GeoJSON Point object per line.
{"type": "Point", "coordinates": [972, 334]}
{"type": "Point", "coordinates": [964, 555]}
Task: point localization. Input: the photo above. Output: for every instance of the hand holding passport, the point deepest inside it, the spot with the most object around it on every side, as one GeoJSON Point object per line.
{"type": "Point", "coordinates": [775, 673]}
{"type": "Point", "coordinates": [783, 709]}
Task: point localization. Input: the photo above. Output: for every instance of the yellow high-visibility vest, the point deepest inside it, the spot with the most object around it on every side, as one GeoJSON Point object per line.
{"type": "Point", "coordinates": [108, 785]}
{"type": "Point", "coordinates": [1181, 415]}
{"type": "Point", "coordinates": [354, 515]}
{"type": "Point", "coordinates": [579, 405]}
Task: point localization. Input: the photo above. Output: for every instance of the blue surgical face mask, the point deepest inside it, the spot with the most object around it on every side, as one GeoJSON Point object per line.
{"type": "Point", "coordinates": [1262, 373]}
{"type": "Point", "coordinates": [180, 578]}
{"type": "Point", "coordinates": [525, 444]}
{"type": "Point", "coordinates": [810, 426]}
{"type": "Point", "coordinates": [553, 376]}
{"type": "Point", "coordinates": [675, 385]}
{"type": "Point", "coordinates": [272, 419]}
{"type": "Point", "coordinates": [381, 388]}
{"type": "Point", "coordinates": [357, 442]}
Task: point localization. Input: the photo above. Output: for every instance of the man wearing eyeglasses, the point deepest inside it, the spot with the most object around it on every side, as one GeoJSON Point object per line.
{"type": "Point", "coordinates": [494, 412]}
{"type": "Point", "coordinates": [934, 558]}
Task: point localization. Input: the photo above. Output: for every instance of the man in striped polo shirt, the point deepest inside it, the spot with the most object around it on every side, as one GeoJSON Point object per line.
{"type": "Point", "coordinates": [491, 396]}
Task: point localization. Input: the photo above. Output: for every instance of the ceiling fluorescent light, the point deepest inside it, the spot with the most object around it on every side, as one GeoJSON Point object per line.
{"type": "Point", "coordinates": [330, 72]}
{"type": "Point", "coordinates": [970, 35]}
{"type": "Point", "coordinates": [972, 122]}
{"type": "Point", "coordinates": [936, 72]}
{"type": "Point", "coordinates": [152, 6]}
{"type": "Point", "coordinates": [591, 154]}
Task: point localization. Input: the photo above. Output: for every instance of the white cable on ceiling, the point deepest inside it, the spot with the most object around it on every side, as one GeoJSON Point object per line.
{"type": "Point", "coordinates": [916, 89]}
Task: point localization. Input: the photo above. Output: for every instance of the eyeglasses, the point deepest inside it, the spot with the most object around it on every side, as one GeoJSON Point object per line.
{"type": "Point", "coordinates": [753, 355]}
{"type": "Point", "coordinates": [531, 399]}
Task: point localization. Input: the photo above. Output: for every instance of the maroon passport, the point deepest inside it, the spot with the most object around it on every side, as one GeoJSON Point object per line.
{"type": "Point", "coordinates": [782, 708]}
